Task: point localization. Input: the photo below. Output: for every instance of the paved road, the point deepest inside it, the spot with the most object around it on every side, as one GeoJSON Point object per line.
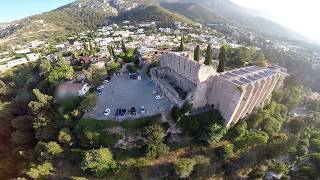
{"type": "Point", "coordinates": [123, 92]}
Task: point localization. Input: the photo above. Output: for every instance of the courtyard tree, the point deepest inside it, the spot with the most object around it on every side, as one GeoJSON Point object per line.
{"type": "Point", "coordinates": [98, 161]}
{"type": "Point", "coordinates": [197, 52]}
{"type": "Point", "coordinates": [208, 58]}
{"type": "Point", "coordinates": [182, 46]}
{"type": "Point", "coordinates": [222, 59]}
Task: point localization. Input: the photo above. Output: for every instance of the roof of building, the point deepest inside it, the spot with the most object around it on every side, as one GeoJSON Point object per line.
{"type": "Point", "coordinates": [247, 75]}
{"type": "Point", "coordinates": [70, 86]}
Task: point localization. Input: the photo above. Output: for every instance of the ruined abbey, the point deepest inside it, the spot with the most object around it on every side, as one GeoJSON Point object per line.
{"type": "Point", "coordinates": [234, 93]}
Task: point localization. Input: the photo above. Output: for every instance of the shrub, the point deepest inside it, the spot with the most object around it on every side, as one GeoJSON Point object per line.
{"type": "Point", "coordinates": [65, 137]}
{"type": "Point", "coordinates": [280, 168]}
{"type": "Point", "coordinates": [98, 161]}
{"type": "Point", "coordinates": [184, 167]}
{"type": "Point", "coordinates": [225, 150]}
{"type": "Point", "coordinates": [315, 145]}
{"type": "Point", "coordinates": [40, 171]}
{"type": "Point", "coordinates": [131, 68]}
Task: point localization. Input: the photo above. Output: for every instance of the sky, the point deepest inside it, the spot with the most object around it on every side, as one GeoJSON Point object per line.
{"type": "Point", "coordinates": [301, 16]}
{"type": "Point", "coordinates": [17, 9]}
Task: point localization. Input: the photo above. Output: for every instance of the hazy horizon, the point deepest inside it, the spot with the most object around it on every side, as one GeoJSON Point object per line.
{"type": "Point", "coordinates": [299, 16]}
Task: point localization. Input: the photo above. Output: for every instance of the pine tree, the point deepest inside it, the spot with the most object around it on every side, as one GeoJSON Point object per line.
{"type": "Point", "coordinates": [208, 59]}
{"type": "Point", "coordinates": [222, 59]}
{"type": "Point", "coordinates": [197, 53]}
{"type": "Point", "coordinates": [181, 47]}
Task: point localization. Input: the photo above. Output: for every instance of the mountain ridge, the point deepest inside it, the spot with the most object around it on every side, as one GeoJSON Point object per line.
{"type": "Point", "coordinates": [89, 14]}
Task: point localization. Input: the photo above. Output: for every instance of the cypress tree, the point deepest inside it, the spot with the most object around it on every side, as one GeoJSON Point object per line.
{"type": "Point", "coordinates": [208, 59]}
{"type": "Point", "coordinates": [196, 56]}
{"type": "Point", "coordinates": [123, 46]}
{"type": "Point", "coordinates": [222, 59]}
{"type": "Point", "coordinates": [181, 47]}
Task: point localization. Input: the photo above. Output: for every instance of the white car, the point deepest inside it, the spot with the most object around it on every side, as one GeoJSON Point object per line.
{"type": "Point", "coordinates": [159, 97]}
{"type": "Point", "coordinates": [154, 92]}
{"type": "Point", "coordinates": [142, 110]}
{"type": "Point", "coordinates": [105, 81]}
{"type": "Point", "coordinates": [101, 87]}
{"type": "Point", "coordinates": [107, 112]}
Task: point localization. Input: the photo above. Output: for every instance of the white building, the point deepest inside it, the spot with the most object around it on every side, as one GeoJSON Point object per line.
{"type": "Point", "coordinates": [70, 89]}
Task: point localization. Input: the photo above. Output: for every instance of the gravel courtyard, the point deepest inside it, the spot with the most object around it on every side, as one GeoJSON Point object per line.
{"type": "Point", "coordinates": [123, 92]}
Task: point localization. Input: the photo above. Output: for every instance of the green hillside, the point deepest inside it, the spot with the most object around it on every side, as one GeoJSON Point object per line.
{"type": "Point", "coordinates": [152, 13]}
{"type": "Point", "coordinates": [194, 12]}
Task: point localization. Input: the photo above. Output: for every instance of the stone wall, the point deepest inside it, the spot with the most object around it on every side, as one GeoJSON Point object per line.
{"type": "Point", "coordinates": [234, 93]}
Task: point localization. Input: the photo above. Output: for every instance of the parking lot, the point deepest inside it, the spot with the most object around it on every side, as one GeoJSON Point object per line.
{"type": "Point", "coordinates": [123, 92]}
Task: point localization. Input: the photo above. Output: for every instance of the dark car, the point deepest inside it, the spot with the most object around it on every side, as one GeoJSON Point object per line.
{"type": "Point", "coordinates": [118, 112]}
{"type": "Point", "coordinates": [133, 111]}
{"type": "Point", "coordinates": [123, 112]}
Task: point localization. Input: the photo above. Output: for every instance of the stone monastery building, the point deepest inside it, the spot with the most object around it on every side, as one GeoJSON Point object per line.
{"type": "Point", "coordinates": [234, 93]}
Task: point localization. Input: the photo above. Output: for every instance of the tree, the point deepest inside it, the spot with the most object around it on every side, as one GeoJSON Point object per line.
{"type": "Point", "coordinates": [184, 167]}
{"type": "Point", "coordinates": [280, 168]}
{"type": "Point", "coordinates": [136, 57]}
{"type": "Point", "coordinates": [213, 133]}
{"type": "Point", "coordinates": [296, 125]}
{"type": "Point", "coordinates": [225, 150]}
{"type": "Point", "coordinates": [40, 171]}
{"type": "Point", "coordinates": [115, 57]}
{"type": "Point", "coordinates": [65, 137]}
{"type": "Point", "coordinates": [98, 161]}
{"type": "Point", "coordinates": [197, 52]}
{"type": "Point", "coordinates": [123, 46]}
{"type": "Point", "coordinates": [208, 58]}
{"type": "Point", "coordinates": [181, 46]}
{"type": "Point", "coordinates": [154, 140]}
{"type": "Point", "coordinates": [222, 59]}
{"type": "Point", "coordinates": [131, 68]}
{"type": "Point", "coordinates": [20, 137]}
{"type": "Point", "coordinates": [88, 102]}
{"type": "Point", "coordinates": [45, 114]}
{"type": "Point", "coordinates": [256, 138]}
{"type": "Point", "coordinates": [22, 123]}
{"type": "Point", "coordinates": [61, 71]}
{"type": "Point", "coordinates": [48, 151]}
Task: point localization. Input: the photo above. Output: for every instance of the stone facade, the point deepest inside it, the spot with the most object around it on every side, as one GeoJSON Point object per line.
{"type": "Point", "coordinates": [234, 93]}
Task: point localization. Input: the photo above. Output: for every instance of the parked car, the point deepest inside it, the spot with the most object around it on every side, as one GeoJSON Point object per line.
{"type": "Point", "coordinates": [159, 97]}
{"type": "Point", "coordinates": [118, 112]}
{"type": "Point", "coordinates": [98, 91]}
{"type": "Point", "coordinates": [134, 76]}
{"type": "Point", "coordinates": [142, 110]}
{"type": "Point", "coordinates": [105, 81]}
{"type": "Point", "coordinates": [123, 112]}
{"type": "Point", "coordinates": [100, 87]}
{"type": "Point", "coordinates": [107, 112]}
{"type": "Point", "coordinates": [133, 111]}
{"type": "Point", "coordinates": [154, 92]}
